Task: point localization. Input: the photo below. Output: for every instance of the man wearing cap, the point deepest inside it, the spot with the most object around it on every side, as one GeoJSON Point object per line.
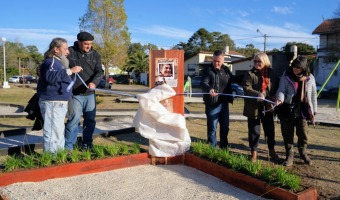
{"type": "Point", "coordinates": [83, 101]}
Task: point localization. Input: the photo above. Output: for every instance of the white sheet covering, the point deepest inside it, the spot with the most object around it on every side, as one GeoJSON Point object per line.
{"type": "Point", "coordinates": [166, 131]}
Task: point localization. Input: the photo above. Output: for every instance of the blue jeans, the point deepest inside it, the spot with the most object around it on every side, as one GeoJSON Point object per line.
{"type": "Point", "coordinates": [80, 105]}
{"type": "Point", "coordinates": [53, 113]}
{"type": "Point", "coordinates": [218, 113]}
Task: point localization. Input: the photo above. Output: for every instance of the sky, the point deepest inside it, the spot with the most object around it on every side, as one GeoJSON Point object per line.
{"type": "Point", "coordinates": [166, 23]}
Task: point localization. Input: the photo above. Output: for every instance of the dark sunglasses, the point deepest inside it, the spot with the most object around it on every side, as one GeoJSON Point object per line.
{"type": "Point", "coordinates": [257, 61]}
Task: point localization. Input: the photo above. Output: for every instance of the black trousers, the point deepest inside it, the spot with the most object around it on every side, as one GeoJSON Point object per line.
{"type": "Point", "coordinates": [254, 130]}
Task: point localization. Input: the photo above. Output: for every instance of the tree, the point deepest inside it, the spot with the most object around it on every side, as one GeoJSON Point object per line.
{"type": "Point", "coordinates": [139, 58]}
{"type": "Point", "coordinates": [107, 20]}
{"type": "Point", "coordinates": [203, 40]}
{"type": "Point", "coordinates": [35, 54]}
{"type": "Point", "coordinates": [138, 63]}
{"type": "Point", "coordinates": [150, 46]}
{"type": "Point", "coordinates": [134, 47]}
{"type": "Point", "coordinates": [21, 59]}
{"type": "Point", "coordinates": [249, 51]}
{"type": "Point", "coordinates": [302, 49]}
{"type": "Point", "coordinates": [220, 41]}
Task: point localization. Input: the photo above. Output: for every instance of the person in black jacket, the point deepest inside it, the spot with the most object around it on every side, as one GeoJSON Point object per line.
{"type": "Point", "coordinates": [83, 101]}
{"type": "Point", "coordinates": [216, 79]}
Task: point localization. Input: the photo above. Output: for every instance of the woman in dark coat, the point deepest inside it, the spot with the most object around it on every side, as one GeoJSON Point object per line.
{"type": "Point", "coordinates": [260, 82]}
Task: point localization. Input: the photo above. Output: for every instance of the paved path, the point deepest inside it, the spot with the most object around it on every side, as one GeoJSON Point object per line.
{"type": "Point", "coordinates": [327, 114]}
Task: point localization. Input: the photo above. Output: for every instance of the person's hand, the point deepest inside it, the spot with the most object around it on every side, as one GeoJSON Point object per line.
{"type": "Point", "coordinates": [261, 96]}
{"type": "Point", "coordinates": [212, 92]}
{"type": "Point", "coordinates": [76, 69]}
{"type": "Point", "coordinates": [278, 102]}
{"type": "Point", "coordinates": [92, 86]}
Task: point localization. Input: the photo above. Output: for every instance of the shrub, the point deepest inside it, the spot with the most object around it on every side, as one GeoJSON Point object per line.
{"type": "Point", "coordinates": [12, 163]}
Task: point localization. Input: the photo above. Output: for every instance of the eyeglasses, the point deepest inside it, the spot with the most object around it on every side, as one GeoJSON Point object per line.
{"type": "Point", "coordinates": [257, 61]}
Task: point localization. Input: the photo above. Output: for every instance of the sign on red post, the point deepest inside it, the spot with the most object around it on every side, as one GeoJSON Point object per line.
{"type": "Point", "coordinates": [168, 66]}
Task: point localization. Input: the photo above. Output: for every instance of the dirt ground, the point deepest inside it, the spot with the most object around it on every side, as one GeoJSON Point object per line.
{"type": "Point", "coordinates": [324, 150]}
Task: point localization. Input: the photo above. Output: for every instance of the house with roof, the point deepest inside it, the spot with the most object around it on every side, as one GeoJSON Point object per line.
{"type": "Point", "coordinates": [328, 53]}
{"type": "Point", "coordinates": [195, 64]}
{"type": "Point", "coordinates": [237, 63]}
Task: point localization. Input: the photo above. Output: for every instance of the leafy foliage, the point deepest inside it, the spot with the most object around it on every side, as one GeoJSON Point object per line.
{"type": "Point", "coordinates": [303, 48]}
{"type": "Point", "coordinates": [249, 51]}
{"type": "Point", "coordinates": [203, 40]}
{"type": "Point", "coordinates": [29, 58]}
{"type": "Point", "coordinates": [138, 63]}
{"type": "Point", "coordinates": [106, 19]}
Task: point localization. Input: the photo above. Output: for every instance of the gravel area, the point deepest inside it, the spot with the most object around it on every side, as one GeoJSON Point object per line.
{"type": "Point", "coordinates": [140, 182]}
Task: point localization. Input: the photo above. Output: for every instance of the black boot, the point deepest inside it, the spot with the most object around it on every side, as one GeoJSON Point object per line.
{"type": "Point", "coordinates": [273, 155]}
{"type": "Point", "coordinates": [289, 156]}
{"type": "Point", "coordinates": [304, 156]}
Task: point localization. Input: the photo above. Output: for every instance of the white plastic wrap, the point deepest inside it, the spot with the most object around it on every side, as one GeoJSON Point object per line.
{"type": "Point", "coordinates": [166, 131]}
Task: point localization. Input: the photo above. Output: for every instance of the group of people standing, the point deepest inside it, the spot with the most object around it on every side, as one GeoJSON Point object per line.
{"type": "Point", "coordinates": [292, 97]}
{"type": "Point", "coordinates": [69, 76]}
{"type": "Point", "coordinates": [67, 79]}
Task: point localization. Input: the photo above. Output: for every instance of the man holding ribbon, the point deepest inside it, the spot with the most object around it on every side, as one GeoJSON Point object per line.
{"type": "Point", "coordinates": [83, 101]}
{"type": "Point", "coordinates": [216, 81]}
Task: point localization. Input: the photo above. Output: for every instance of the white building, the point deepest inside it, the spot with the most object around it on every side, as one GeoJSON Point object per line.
{"type": "Point", "coordinates": [193, 65]}
{"type": "Point", "coordinates": [328, 53]}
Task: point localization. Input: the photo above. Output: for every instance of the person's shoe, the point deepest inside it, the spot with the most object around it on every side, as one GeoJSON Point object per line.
{"type": "Point", "coordinates": [304, 156]}
{"type": "Point", "coordinates": [253, 157]}
{"type": "Point", "coordinates": [290, 158]}
{"type": "Point", "coordinates": [306, 159]}
{"type": "Point", "coordinates": [273, 155]}
{"type": "Point", "coordinates": [85, 147]}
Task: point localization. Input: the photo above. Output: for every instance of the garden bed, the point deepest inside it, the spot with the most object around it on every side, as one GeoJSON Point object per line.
{"type": "Point", "coordinates": [73, 169]}
{"type": "Point", "coordinates": [245, 182]}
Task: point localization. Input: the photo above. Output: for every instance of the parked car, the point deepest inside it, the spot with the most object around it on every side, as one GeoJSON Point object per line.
{"type": "Point", "coordinates": [27, 79]}
{"type": "Point", "coordinates": [196, 81]}
{"type": "Point", "coordinates": [236, 89]}
{"type": "Point", "coordinates": [14, 79]}
{"type": "Point", "coordinates": [121, 78]}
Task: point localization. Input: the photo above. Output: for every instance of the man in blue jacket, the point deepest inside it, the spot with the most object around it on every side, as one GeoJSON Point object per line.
{"type": "Point", "coordinates": [83, 101]}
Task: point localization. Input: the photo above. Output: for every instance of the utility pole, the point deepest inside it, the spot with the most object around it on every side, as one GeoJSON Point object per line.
{"type": "Point", "coordinates": [265, 40]}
